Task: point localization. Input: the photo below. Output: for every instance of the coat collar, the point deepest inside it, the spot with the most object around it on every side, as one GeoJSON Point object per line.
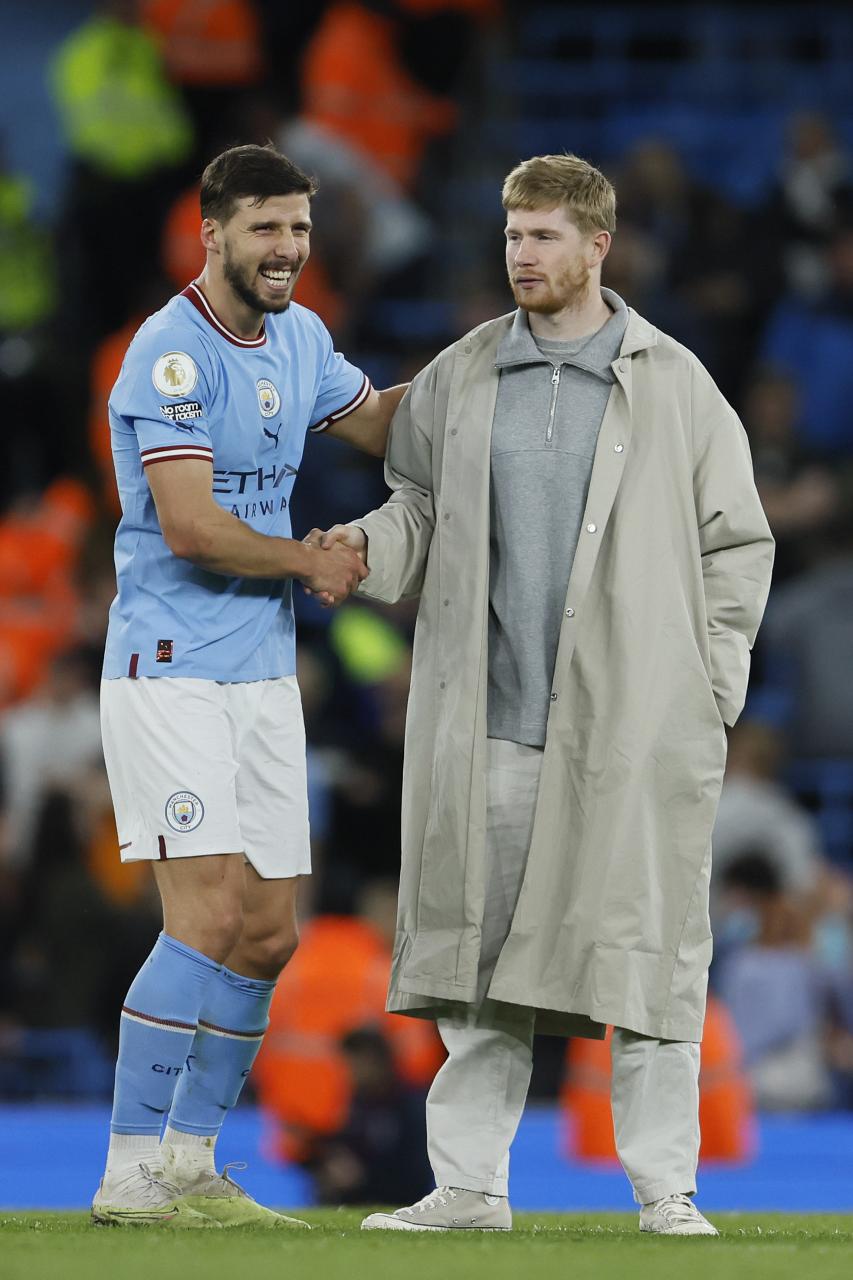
{"type": "Point", "coordinates": [639, 335]}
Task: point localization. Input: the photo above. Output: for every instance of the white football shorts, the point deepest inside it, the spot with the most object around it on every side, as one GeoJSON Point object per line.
{"type": "Point", "coordinates": [199, 767]}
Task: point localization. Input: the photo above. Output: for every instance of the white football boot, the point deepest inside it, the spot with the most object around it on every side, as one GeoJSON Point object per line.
{"type": "Point", "coordinates": [143, 1197]}
{"type": "Point", "coordinates": [446, 1209]}
{"type": "Point", "coordinates": [675, 1215]}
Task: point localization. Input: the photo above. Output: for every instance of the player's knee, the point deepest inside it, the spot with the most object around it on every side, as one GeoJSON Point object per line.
{"type": "Point", "coordinates": [221, 927]}
{"type": "Point", "coordinates": [270, 952]}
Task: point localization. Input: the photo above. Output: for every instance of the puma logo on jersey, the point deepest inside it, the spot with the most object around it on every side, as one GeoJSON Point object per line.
{"type": "Point", "coordinates": [273, 435]}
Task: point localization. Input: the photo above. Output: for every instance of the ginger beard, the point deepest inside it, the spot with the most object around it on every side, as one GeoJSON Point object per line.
{"type": "Point", "coordinates": [564, 293]}
{"type": "Point", "coordinates": [241, 276]}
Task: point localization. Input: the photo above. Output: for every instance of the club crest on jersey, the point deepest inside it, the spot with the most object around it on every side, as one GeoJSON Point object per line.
{"type": "Point", "coordinates": [184, 811]}
{"type": "Point", "coordinates": [175, 374]}
{"type": "Point", "coordinates": [268, 398]}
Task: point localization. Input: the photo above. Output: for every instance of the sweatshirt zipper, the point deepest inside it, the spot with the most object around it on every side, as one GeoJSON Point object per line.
{"type": "Point", "coordinates": [555, 387]}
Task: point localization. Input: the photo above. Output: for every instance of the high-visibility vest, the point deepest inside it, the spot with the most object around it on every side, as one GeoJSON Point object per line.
{"type": "Point", "coordinates": [39, 546]}
{"type": "Point", "coordinates": [118, 110]}
{"type": "Point", "coordinates": [336, 982]}
{"type": "Point", "coordinates": [27, 269]}
{"type": "Point", "coordinates": [726, 1114]}
{"type": "Point", "coordinates": [355, 85]}
{"type": "Point", "coordinates": [207, 43]}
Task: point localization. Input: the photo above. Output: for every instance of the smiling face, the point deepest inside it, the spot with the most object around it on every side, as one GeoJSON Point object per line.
{"type": "Point", "coordinates": [263, 247]}
{"type": "Point", "coordinates": [551, 265]}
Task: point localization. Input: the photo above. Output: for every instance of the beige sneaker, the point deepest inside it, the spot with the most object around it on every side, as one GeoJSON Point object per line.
{"type": "Point", "coordinates": [218, 1196]}
{"type": "Point", "coordinates": [447, 1209]}
{"type": "Point", "coordinates": [675, 1215]}
{"type": "Point", "coordinates": [144, 1198]}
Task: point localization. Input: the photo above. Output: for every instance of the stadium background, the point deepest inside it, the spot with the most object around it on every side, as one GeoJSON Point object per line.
{"type": "Point", "coordinates": [728, 132]}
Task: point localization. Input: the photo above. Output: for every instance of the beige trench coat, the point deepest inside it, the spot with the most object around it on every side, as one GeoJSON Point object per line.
{"type": "Point", "coordinates": [667, 589]}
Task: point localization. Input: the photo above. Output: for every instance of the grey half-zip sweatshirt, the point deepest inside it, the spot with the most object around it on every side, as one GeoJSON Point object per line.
{"type": "Point", "coordinates": [550, 405]}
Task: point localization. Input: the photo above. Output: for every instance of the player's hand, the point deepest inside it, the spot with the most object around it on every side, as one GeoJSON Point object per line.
{"type": "Point", "coordinates": [335, 571]}
{"type": "Point", "coordinates": [349, 534]}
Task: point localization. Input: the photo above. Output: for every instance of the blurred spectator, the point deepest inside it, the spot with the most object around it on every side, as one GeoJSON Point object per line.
{"type": "Point", "coordinates": [128, 132]}
{"type": "Point", "coordinates": [712, 261]}
{"type": "Point", "coordinates": [808, 639]}
{"type": "Point", "coordinates": [213, 50]}
{"type": "Point", "coordinates": [65, 928]}
{"type": "Point", "coordinates": [811, 199]}
{"type": "Point", "coordinates": [775, 991]}
{"type": "Point", "coordinates": [636, 268]}
{"type": "Point", "coordinates": [756, 809]}
{"type": "Point", "coordinates": [356, 85]}
{"type": "Point", "coordinates": [118, 112]}
{"type": "Point", "coordinates": [813, 344]}
{"type": "Point", "coordinates": [47, 742]}
{"type": "Point", "coordinates": [366, 812]}
{"type": "Point", "coordinates": [27, 266]}
{"type": "Point", "coordinates": [367, 226]}
{"type": "Point", "coordinates": [799, 493]}
{"type": "Point", "coordinates": [379, 1155]}
{"type": "Point", "coordinates": [336, 982]}
{"type": "Point", "coordinates": [40, 542]}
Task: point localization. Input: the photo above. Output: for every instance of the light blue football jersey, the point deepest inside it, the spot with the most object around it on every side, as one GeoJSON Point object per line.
{"type": "Point", "coordinates": [190, 388]}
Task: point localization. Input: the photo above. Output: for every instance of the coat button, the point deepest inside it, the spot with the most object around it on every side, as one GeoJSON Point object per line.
{"type": "Point", "coordinates": [442, 684]}
{"type": "Point", "coordinates": [553, 697]}
{"type": "Point", "coordinates": [570, 613]}
{"type": "Point", "coordinates": [446, 515]}
{"type": "Point", "coordinates": [617, 448]}
{"type": "Point", "coordinates": [447, 602]}
{"type": "Point", "coordinates": [591, 528]}
{"type": "Point", "coordinates": [454, 432]}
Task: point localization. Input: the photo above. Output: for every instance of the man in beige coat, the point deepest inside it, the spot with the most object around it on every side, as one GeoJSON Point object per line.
{"type": "Point", "coordinates": [572, 499]}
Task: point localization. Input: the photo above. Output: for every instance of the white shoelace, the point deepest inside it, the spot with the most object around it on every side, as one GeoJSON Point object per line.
{"type": "Point", "coordinates": [154, 1184]}
{"type": "Point", "coordinates": [220, 1183]}
{"type": "Point", "coordinates": [676, 1209]}
{"type": "Point", "coordinates": [441, 1195]}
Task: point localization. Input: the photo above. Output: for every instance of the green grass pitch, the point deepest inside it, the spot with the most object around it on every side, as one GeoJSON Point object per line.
{"type": "Point", "coordinates": [54, 1246]}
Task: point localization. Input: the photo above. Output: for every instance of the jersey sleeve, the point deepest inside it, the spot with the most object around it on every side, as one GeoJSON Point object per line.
{"type": "Point", "coordinates": [343, 388]}
{"type": "Point", "coordinates": [165, 394]}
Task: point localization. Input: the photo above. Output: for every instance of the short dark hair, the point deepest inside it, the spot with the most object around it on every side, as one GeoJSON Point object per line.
{"type": "Point", "coordinates": [249, 171]}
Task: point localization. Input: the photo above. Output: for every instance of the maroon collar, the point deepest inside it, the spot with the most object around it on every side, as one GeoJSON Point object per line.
{"type": "Point", "coordinates": [194, 295]}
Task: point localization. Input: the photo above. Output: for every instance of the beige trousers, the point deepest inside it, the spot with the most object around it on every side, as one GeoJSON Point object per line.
{"type": "Point", "coordinates": [477, 1098]}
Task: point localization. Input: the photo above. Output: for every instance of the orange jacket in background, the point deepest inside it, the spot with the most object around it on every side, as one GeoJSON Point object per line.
{"type": "Point", "coordinates": [39, 546]}
{"type": "Point", "coordinates": [725, 1099]}
{"type": "Point", "coordinates": [208, 43]}
{"type": "Point", "coordinates": [337, 981]}
{"type": "Point", "coordinates": [355, 85]}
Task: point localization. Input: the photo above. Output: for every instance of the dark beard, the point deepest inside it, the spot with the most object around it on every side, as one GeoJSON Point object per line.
{"type": "Point", "coordinates": [245, 292]}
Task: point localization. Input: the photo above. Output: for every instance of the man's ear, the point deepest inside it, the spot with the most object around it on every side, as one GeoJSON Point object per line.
{"type": "Point", "coordinates": [601, 246]}
{"type": "Point", "coordinates": [210, 230]}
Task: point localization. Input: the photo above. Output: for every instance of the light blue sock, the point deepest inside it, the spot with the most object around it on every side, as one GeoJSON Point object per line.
{"type": "Point", "coordinates": [158, 1023]}
{"type": "Point", "coordinates": [231, 1026]}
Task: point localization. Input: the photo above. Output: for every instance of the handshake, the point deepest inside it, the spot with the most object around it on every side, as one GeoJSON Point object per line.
{"type": "Point", "coordinates": [337, 563]}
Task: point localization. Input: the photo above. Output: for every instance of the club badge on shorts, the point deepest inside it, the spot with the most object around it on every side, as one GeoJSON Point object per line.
{"type": "Point", "coordinates": [174, 374]}
{"type": "Point", "coordinates": [184, 811]}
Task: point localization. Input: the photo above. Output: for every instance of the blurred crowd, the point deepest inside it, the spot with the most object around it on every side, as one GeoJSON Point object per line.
{"type": "Point", "coordinates": [382, 100]}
